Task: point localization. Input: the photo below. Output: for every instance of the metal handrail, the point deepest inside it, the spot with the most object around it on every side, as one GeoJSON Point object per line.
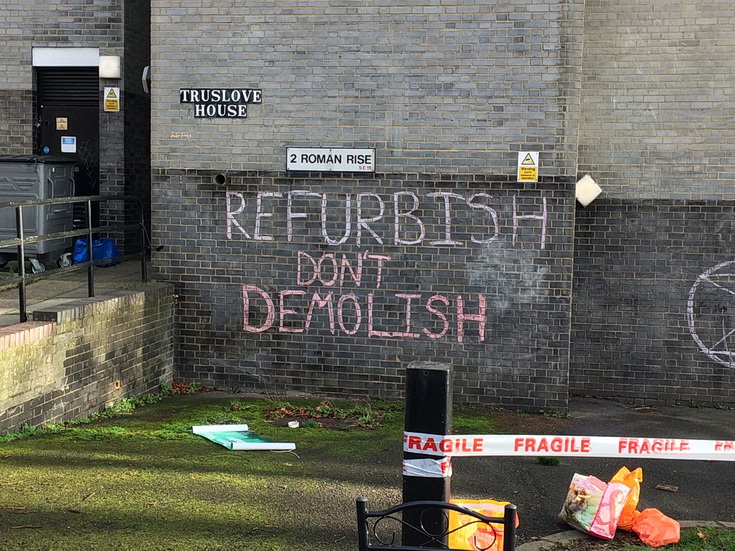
{"type": "Point", "coordinates": [21, 240]}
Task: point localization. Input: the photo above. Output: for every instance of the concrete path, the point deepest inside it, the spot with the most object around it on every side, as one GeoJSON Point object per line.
{"type": "Point", "coordinates": [685, 490]}
{"type": "Point", "coordinates": [57, 286]}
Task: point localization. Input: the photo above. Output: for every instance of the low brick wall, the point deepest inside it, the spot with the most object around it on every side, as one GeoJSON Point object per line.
{"type": "Point", "coordinates": [77, 358]}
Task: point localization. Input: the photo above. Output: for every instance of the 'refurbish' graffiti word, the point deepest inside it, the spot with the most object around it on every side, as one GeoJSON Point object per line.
{"type": "Point", "coordinates": [397, 219]}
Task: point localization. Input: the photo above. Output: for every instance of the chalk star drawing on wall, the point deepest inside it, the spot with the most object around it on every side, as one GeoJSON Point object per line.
{"type": "Point", "coordinates": [711, 311]}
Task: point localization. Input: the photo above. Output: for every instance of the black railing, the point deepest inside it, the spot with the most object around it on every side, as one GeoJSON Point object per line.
{"type": "Point", "coordinates": [389, 529]}
{"type": "Point", "coordinates": [89, 232]}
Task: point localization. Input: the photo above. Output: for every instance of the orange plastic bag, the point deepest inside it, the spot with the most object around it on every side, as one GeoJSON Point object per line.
{"type": "Point", "coordinates": [632, 479]}
{"type": "Point", "coordinates": [656, 529]}
{"type": "Point", "coordinates": [464, 534]}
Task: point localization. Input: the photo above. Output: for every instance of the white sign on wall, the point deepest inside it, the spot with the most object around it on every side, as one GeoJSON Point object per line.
{"type": "Point", "coordinates": [334, 160]}
{"type": "Point", "coordinates": [68, 144]}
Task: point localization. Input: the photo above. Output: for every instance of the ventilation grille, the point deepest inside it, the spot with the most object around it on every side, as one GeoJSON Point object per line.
{"type": "Point", "coordinates": [77, 87]}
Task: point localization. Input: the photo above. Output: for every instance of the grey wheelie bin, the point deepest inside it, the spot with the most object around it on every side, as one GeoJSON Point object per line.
{"type": "Point", "coordinates": [32, 177]}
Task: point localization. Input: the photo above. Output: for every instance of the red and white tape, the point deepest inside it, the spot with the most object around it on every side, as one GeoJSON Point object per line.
{"type": "Point", "coordinates": [580, 446]}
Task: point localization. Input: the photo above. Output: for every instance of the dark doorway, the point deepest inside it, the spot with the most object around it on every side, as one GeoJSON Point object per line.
{"type": "Point", "coordinates": [68, 124]}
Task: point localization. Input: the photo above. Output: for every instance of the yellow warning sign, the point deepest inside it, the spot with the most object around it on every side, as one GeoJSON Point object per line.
{"type": "Point", "coordinates": [528, 166]}
{"type": "Point", "coordinates": [112, 99]}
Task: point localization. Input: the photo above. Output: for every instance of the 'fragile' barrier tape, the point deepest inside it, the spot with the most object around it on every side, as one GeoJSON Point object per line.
{"type": "Point", "coordinates": [458, 445]}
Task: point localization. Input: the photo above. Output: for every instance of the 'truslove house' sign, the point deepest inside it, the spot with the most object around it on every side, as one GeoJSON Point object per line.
{"type": "Point", "coordinates": [220, 102]}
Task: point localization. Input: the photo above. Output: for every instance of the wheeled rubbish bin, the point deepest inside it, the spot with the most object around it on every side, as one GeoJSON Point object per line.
{"type": "Point", "coordinates": [32, 177]}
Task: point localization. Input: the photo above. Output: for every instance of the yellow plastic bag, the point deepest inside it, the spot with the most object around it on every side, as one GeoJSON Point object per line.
{"type": "Point", "coordinates": [656, 529]}
{"type": "Point", "coordinates": [632, 479]}
{"type": "Point", "coordinates": [477, 536]}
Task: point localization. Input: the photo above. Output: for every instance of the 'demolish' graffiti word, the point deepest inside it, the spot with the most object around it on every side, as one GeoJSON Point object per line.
{"type": "Point", "coordinates": [361, 314]}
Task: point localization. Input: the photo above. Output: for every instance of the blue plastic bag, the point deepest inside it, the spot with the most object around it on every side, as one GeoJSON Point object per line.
{"type": "Point", "coordinates": [102, 249]}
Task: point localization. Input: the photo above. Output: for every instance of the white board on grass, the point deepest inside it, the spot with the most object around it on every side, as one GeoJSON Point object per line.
{"type": "Point", "coordinates": [239, 437]}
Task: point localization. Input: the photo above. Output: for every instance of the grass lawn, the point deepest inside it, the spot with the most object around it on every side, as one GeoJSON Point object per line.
{"type": "Point", "coordinates": [142, 481]}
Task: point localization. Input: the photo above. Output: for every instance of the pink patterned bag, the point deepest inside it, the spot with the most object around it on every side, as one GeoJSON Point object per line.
{"type": "Point", "coordinates": [594, 507]}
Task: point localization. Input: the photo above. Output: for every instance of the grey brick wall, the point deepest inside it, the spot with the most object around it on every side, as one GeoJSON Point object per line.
{"type": "Point", "coordinates": [31, 24]}
{"type": "Point", "coordinates": [651, 312]}
{"type": "Point", "coordinates": [657, 109]}
{"type": "Point", "coordinates": [450, 88]}
{"type": "Point", "coordinates": [128, 155]}
{"type": "Point", "coordinates": [447, 94]}
{"type": "Point", "coordinates": [267, 303]}
{"type": "Point", "coordinates": [16, 122]}
{"type": "Point", "coordinates": [653, 302]}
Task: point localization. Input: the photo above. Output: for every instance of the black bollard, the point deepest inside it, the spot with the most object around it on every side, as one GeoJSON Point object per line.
{"type": "Point", "coordinates": [428, 410]}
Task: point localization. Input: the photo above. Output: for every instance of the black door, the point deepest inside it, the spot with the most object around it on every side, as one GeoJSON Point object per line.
{"type": "Point", "coordinates": [68, 124]}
